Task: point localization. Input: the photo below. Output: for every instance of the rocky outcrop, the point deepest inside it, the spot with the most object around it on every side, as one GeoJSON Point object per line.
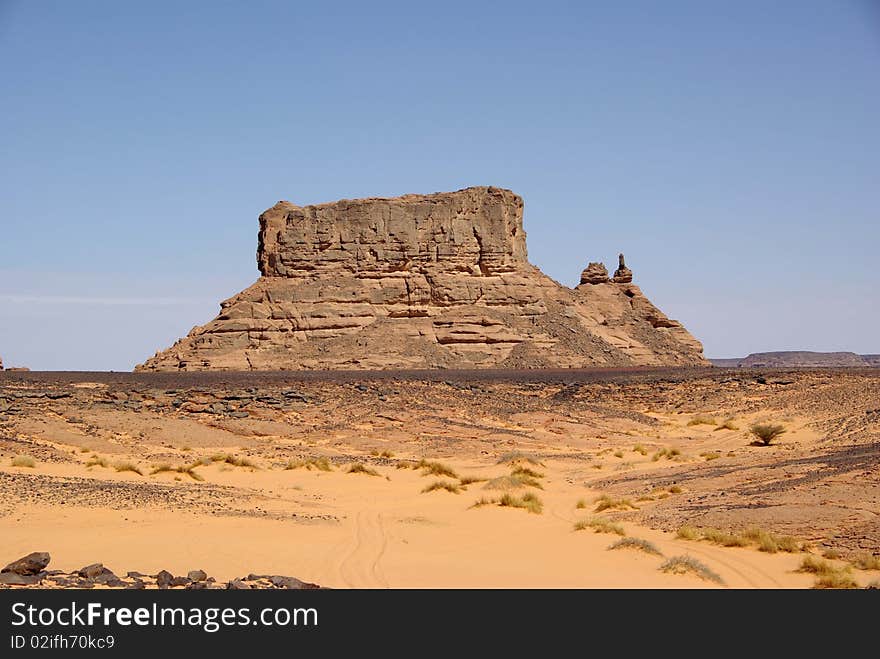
{"type": "Point", "coordinates": [622, 275]}
{"type": "Point", "coordinates": [421, 281]}
{"type": "Point", "coordinates": [595, 273]}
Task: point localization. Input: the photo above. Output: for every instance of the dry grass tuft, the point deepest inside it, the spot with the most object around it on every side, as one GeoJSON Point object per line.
{"type": "Point", "coordinates": [675, 489]}
{"type": "Point", "coordinates": [581, 504]}
{"type": "Point", "coordinates": [765, 433]}
{"type": "Point", "coordinates": [688, 533]}
{"type": "Point", "coordinates": [468, 480]}
{"type": "Point", "coordinates": [639, 448]}
{"type": "Point", "coordinates": [727, 424]}
{"type": "Point", "coordinates": [442, 485]}
{"type": "Point", "coordinates": [321, 464]}
{"type": "Point", "coordinates": [381, 454]}
{"type": "Point", "coordinates": [431, 468]}
{"type": "Point", "coordinates": [233, 460]}
{"type": "Point", "coordinates": [599, 525]}
{"type": "Point", "coordinates": [528, 501]}
{"type": "Point", "coordinates": [24, 461]}
{"type": "Point", "coordinates": [128, 466]}
{"type": "Point", "coordinates": [638, 544]}
{"type": "Point", "coordinates": [606, 502]}
{"type": "Point", "coordinates": [710, 455]}
{"type": "Point", "coordinates": [97, 461]}
{"type": "Point", "coordinates": [358, 468]}
{"type": "Point", "coordinates": [718, 537]}
{"type": "Point", "coordinates": [690, 565]}
{"type": "Point", "coordinates": [189, 470]}
{"type": "Point", "coordinates": [525, 472]}
{"type": "Point", "coordinates": [483, 501]}
{"type": "Point", "coordinates": [701, 420]}
{"type": "Point", "coordinates": [513, 482]}
{"type": "Point", "coordinates": [828, 575]}
{"type": "Point", "coordinates": [668, 453]}
{"type": "Point", "coordinates": [866, 561]}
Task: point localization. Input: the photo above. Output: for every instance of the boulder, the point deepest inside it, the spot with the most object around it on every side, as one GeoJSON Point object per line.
{"type": "Point", "coordinates": [33, 563]}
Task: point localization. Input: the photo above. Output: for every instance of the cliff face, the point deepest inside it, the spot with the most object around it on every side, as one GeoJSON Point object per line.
{"type": "Point", "coordinates": [421, 281]}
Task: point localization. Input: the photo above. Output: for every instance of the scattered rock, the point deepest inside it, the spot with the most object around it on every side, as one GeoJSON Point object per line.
{"type": "Point", "coordinates": [94, 570]}
{"type": "Point", "coordinates": [197, 575]}
{"type": "Point", "coordinates": [14, 579]}
{"type": "Point", "coordinates": [31, 564]}
{"type": "Point", "coordinates": [164, 579]}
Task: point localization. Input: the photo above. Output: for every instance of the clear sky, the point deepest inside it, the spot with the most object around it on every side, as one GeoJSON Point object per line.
{"type": "Point", "coordinates": [730, 149]}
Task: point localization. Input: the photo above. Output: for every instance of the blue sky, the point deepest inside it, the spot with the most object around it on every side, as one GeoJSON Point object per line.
{"type": "Point", "coordinates": [730, 149]}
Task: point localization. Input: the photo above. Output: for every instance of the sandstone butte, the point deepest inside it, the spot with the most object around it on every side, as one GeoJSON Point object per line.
{"type": "Point", "coordinates": [422, 282]}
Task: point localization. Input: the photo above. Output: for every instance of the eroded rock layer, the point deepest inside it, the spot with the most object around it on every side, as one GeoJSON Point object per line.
{"type": "Point", "coordinates": [421, 281]}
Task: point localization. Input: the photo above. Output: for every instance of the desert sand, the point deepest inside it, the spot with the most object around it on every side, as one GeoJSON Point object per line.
{"type": "Point", "coordinates": [666, 448]}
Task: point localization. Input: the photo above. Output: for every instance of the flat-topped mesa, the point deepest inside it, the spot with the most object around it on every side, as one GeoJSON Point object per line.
{"type": "Point", "coordinates": [421, 281]}
{"type": "Point", "coordinates": [476, 230]}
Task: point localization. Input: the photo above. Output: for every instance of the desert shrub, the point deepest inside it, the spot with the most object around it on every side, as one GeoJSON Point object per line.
{"type": "Point", "coordinates": [24, 461]}
{"type": "Point", "coordinates": [675, 489]}
{"type": "Point", "coordinates": [638, 544]}
{"type": "Point", "coordinates": [442, 485]}
{"type": "Point", "coordinates": [765, 433]}
{"type": "Point", "coordinates": [382, 454]}
{"type": "Point", "coordinates": [359, 468]}
{"type": "Point", "coordinates": [606, 502]}
{"type": "Point", "coordinates": [96, 461]}
{"type": "Point", "coordinates": [702, 420]}
{"type": "Point", "coordinates": [710, 455]}
{"type": "Point", "coordinates": [599, 525]}
{"type": "Point", "coordinates": [690, 565]}
{"type": "Point", "coordinates": [581, 504]}
{"type": "Point", "coordinates": [638, 448]}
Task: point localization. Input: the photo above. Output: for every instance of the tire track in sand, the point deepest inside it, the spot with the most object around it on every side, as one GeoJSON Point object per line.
{"type": "Point", "coordinates": [360, 567]}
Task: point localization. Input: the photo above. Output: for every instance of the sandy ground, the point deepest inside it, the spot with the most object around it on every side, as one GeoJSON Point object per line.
{"type": "Point", "coordinates": [583, 439]}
